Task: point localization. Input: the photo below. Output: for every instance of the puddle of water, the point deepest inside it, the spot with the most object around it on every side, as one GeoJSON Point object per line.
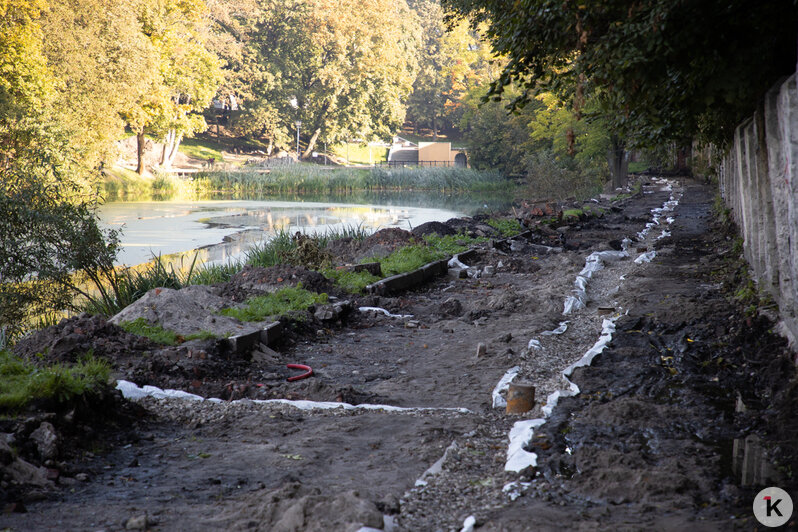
{"type": "Point", "coordinates": [164, 228]}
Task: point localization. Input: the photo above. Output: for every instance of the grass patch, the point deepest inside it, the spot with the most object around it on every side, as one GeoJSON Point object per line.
{"type": "Point", "coordinates": [209, 274]}
{"type": "Point", "coordinates": [22, 382]}
{"type": "Point", "coordinates": [201, 335]}
{"type": "Point", "coordinates": [573, 213]}
{"type": "Point", "coordinates": [506, 226]}
{"type": "Point", "coordinates": [353, 282]}
{"type": "Point", "coordinates": [408, 258]}
{"type": "Point", "coordinates": [284, 300]}
{"type": "Point", "coordinates": [156, 333]}
{"type": "Point", "coordinates": [202, 149]}
{"type": "Point", "coordinates": [452, 244]}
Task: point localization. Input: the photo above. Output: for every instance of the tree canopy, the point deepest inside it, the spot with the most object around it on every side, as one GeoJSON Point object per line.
{"type": "Point", "coordinates": [660, 69]}
{"type": "Point", "coordinates": [342, 68]}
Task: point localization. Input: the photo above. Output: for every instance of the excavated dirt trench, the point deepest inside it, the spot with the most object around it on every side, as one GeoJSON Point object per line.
{"type": "Point", "coordinates": [646, 444]}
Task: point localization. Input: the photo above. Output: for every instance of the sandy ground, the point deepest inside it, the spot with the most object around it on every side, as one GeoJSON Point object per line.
{"type": "Point", "coordinates": [647, 444]}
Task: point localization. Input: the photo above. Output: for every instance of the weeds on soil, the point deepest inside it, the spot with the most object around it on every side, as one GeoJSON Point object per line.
{"type": "Point", "coordinates": [22, 382]}
{"type": "Point", "coordinates": [158, 334]}
{"type": "Point", "coordinates": [284, 300]}
{"type": "Point", "coordinates": [506, 226]}
{"type": "Point", "coordinates": [352, 282]}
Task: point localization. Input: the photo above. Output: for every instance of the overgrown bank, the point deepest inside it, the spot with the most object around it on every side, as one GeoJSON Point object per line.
{"type": "Point", "coordinates": [306, 179]}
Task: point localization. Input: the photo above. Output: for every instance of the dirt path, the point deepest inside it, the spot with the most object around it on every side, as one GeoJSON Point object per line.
{"type": "Point", "coordinates": [646, 444]}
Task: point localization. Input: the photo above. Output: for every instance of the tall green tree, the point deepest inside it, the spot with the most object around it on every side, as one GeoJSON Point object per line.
{"type": "Point", "coordinates": [341, 67]}
{"type": "Point", "coordinates": [661, 69]}
{"type": "Point", "coordinates": [188, 76]}
{"type": "Point", "coordinates": [452, 61]}
{"type": "Point", "coordinates": [102, 65]}
{"type": "Point", "coordinates": [47, 227]}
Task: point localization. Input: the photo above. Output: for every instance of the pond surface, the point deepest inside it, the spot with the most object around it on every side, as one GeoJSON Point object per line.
{"type": "Point", "coordinates": [222, 230]}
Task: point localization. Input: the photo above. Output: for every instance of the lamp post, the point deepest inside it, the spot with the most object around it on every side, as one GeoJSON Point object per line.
{"type": "Point", "coordinates": [298, 125]}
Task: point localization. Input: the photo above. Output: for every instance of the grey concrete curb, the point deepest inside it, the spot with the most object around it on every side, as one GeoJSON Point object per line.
{"type": "Point", "coordinates": [246, 342]}
{"type": "Point", "coordinates": [405, 281]}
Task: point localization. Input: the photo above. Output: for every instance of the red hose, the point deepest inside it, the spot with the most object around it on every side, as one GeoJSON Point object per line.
{"type": "Point", "coordinates": [308, 369]}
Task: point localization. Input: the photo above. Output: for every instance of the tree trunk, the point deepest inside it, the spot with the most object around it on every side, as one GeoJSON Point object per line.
{"type": "Point", "coordinates": [168, 141]}
{"type": "Point", "coordinates": [140, 140]}
{"type": "Point", "coordinates": [619, 166]}
{"type": "Point", "coordinates": [683, 155]}
{"type": "Point", "coordinates": [171, 153]}
{"type": "Point", "coordinates": [270, 147]}
{"type": "Point", "coordinates": [311, 143]}
{"type": "Point", "coordinates": [434, 128]}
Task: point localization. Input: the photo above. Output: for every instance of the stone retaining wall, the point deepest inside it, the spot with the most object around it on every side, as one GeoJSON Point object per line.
{"type": "Point", "coordinates": [759, 182]}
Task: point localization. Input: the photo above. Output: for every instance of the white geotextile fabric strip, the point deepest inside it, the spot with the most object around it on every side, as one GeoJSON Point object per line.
{"type": "Point", "coordinates": [383, 311]}
{"type": "Point", "coordinates": [518, 458]}
{"type": "Point", "coordinates": [521, 434]}
{"type": "Point", "coordinates": [134, 392]}
{"type": "Point", "coordinates": [594, 263]}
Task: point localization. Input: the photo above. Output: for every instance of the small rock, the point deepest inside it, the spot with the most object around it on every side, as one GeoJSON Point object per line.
{"type": "Point", "coordinates": [138, 522]}
{"type": "Point", "coordinates": [6, 453]}
{"type": "Point", "coordinates": [451, 307]}
{"type": "Point", "coordinates": [67, 481]}
{"type": "Point", "coordinates": [481, 350]}
{"type": "Point", "coordinates": [82, 477]}
{"type": "Point", "coordinates": [46, 440]}
{"type": "Point", "coordinates": [412, 324]}
{"type": "Point", "coordinates": [504, 338]}
{"type": "Point", "coordinates": [489, 270]}
{"type": "Point", "coordinates": [325, 313]}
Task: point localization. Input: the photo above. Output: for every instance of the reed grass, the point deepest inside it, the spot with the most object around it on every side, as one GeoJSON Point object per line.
{"type": "Point", "coordinates": [317, 179]}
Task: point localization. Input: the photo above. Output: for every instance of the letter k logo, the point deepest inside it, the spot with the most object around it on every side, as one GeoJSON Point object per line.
{"type": "Point", "coordinates": [772, 507]}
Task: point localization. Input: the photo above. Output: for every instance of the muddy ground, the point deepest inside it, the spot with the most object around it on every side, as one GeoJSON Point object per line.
{"type": "Point", "coordinates": [680, 420]}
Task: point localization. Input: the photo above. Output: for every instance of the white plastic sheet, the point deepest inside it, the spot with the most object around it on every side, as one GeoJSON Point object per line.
{"type": "Point", "coordinates": [133, 392]}
{"type": "Point", "coordinates": [437, 467]}
{"type": "Point", "coordinates": [645, 257]}
{"type": "Point", "coordinates": [498, 400]}
{"type": "Point", "coordinates": [383, 311]}
{"type": "Point", "coordinates": [519, 459]}
{"type": "Point", "coordinates": [593, 263]}
{"type": "Point", "coordinates": [454, 262]}
{"type": "Point", "coordinates": [559, 330]}
{"type": "Point", "coordinates": [468, 524]}
{"type": "Point", "coordinates": [522, 432]}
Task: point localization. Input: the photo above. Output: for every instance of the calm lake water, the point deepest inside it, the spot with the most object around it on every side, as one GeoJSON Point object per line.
{"type": "Point", "coordinates": [221, 230]}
